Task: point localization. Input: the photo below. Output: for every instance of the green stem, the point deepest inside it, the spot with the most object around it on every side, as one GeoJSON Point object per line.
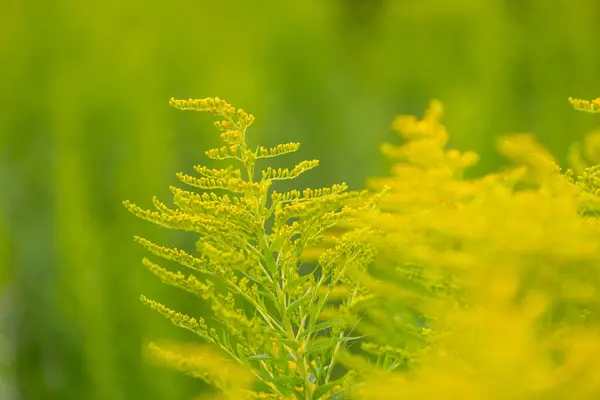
{"type": "Point", "coordinates": [338, 345]}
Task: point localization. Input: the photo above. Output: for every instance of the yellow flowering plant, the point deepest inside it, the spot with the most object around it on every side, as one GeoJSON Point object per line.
{"type": "Point", "coordinates": [504, 269]}
{"type": "Point", "coordinates": [452, 287]}
{"type": "Point", "coordinates": [271, 333]}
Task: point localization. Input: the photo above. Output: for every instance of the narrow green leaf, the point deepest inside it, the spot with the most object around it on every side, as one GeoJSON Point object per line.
{"type": "Point", "coordinates": [298, 302]}
{"type": "Point", "coordinates": [287, 382]}
{"type": "Point", "coordinates": [253, 279]}
{"type": "Point", "coordinates": [327, 342]}
{"type": "Point", "coordinates": [348, 338]}
{"type": "Point", "coordinates": [276, 244]}
{"type": "Point", "coordinates": [268, 296]}
{"type": "Point", "coordinates": [297, 282]}
{"type": "Point", "coordinates": [321, 390]}
{"type": "Point", "coordinates": [325, 325]}
{"type": "Point", "coordinates": [318, 344]}
{"type": "Point", "coordinates": [260, 357]}
{"type": "Point", "coordinates": [342, 394]}
{"type": "Point", "coordinates": [295, 304]}
{"type": "Point", "coordinates": [289, 342]}
{"type": "Point", "coordinates": [225, 339]}
{"type": "Point", "coordinates": [314, 373]}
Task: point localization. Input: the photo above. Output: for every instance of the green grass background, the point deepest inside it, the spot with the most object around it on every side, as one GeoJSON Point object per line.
{"type": "Point", "coordinates": [85, 124]}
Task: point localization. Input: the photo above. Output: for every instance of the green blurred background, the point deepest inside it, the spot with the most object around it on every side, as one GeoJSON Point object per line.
{"type": "Point", "coordinates": [85, 124]}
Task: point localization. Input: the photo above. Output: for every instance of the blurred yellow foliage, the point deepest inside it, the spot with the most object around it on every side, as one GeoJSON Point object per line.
{"type": "Point", "coordinates": [206, 363]}
{"type": "Point", "coordinates": [523, 253]}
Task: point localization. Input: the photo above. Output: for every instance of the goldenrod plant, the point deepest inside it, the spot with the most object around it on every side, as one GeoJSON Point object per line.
{"type": "Point", "coordinates": [516, 258]}
{"type": "Point", "coordinates": [452, 287]}
{"type": "Point", "coordinates": [275, 330]}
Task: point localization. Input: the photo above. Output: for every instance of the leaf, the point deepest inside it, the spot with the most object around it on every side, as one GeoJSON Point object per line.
{"type": "Point", "coordinates": [297, 282]}
{"type": "Point", "coordinates": [298, 302]}
{"type": "Point", "coordinates": [342, 394]}
{"type": "Point", "coordinates": [289, 343]}
{"type": "Point", "coordinates": [260, 357]}
{"type": "Point", "coordinates": [324, 343]}
{"type": "Point", "coordinates": [321, 390]}
{"type": "Point", "coordinates": [253, 279]}
{"type": "Point", "coordinates": [319, 327]}
{"type": "Point", "coordinates": [276, 244]}
{"type": "Point", "coordinates": [288, 382]}
{"type": "Point", "coordinates": [319, 344]}
{"type": "Point", "coordinates": [225, 339]}
{"type": "Point", "coordinates": [314, 373]}
{"type": "Point", "coordinates": [268, 296]}
{"type": "Point", "coordinates": [325, 325]}
{"type": "Point", "coordinates": [348, 338]}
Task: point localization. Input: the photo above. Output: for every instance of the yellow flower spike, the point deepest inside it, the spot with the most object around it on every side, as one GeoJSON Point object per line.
{"type": "Point", "coordinates": [585, 105]}
{"type": "Point", "coordinates": [251, 247]}
{"type": "Point", "coordinates": [233, 118]}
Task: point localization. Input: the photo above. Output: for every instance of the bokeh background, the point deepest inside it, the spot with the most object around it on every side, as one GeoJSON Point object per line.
{"type": "Point", "coordinates": [85, 124]}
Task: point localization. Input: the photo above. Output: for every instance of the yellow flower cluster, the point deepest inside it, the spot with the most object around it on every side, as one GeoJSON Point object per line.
{"type": "Point", "coordinates": [278, 150]}
{"type": "Point", "coordinates": [585, 105]}
{"type": "Point", "coordinates": [216, 106]}
{"type": "Point", "coordinates": [500, 272]}
{"type": "Point", "coordinates": [205, 363]}
{"type": "Point", "coordinates": [198, 326]}
{"type": "Point", "coordinates": [316, 193]}
{"type": "Point", "coordinates": [236, 185]}
{"type": "Point", "coordinates": [285, 173]}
